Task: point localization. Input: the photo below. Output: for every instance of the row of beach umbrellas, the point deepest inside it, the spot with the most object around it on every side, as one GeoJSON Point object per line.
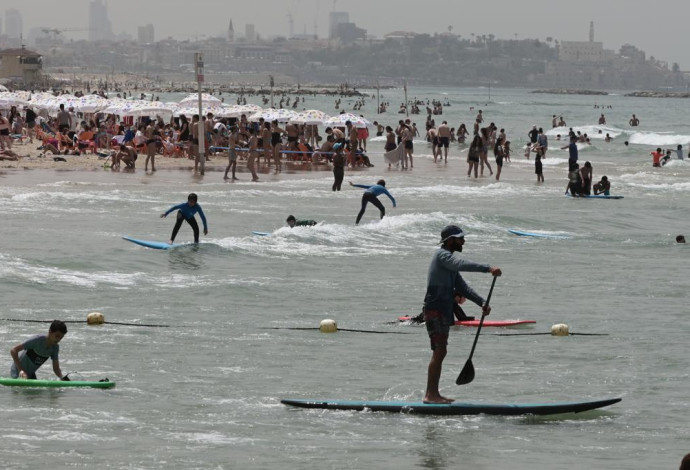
{"type": "Point", "coordinates": [188, 107]}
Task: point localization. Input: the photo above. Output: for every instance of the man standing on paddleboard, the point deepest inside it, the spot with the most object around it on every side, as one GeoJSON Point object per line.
{"type": "Point", "coordinates": [443, 282]}
{"type": "Point", "coordinates": [186, 211]}
{"type": "Point", "coordinates": [36, 350]}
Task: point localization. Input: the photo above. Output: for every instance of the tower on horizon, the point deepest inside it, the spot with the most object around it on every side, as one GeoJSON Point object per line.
{"type": "Point", "coordinates": [13, 24]}
{"type": "Point", "coordinates": [99, 23]}
{"type": "Point", "coordinates": [591, 31]}
{"type": "Point", "coordinates": [231, 32]}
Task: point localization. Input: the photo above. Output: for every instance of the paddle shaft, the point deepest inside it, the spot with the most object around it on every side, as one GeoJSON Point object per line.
{"type": "Point", "coordinates": [481, 322]}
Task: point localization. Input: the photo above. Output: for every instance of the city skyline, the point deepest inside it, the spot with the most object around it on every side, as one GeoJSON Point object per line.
{"type": "Point", "coordinates": [617, 22]}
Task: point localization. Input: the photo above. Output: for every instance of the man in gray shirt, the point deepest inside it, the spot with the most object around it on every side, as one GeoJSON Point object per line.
{"type": "Point", "coordinates": [443, 281]}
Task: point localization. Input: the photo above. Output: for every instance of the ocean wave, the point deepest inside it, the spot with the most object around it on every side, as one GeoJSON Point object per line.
{"type": "Point", "coordinates": [19, 270]}
{"type": "Point", "coordinates": [658, 139]}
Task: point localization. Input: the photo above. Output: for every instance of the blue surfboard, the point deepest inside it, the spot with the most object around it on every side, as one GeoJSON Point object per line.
{"type": "Point", "coordinates": [537, 235]}
{"type": "Point", "coordinates": [262, 234]}
{"type": "Point", "coordinates": [455, 408]}
{"type": "Point", "coordinates": [152, 244]}
{"type": "Point", "coordinates": [597, 196]}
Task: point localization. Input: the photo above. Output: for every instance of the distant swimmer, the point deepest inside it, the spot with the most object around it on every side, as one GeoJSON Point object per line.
{"type": "Point", "coordinates": [185, 212]}
{"type": "Point", "coordinates": [634, 122]}
{"type": "Point", "coordinates": [443, 140]}
{"type": "Point", "coordinates": [293, 222]}
{"type": "Point", "coordinates": [679, 152]}
{"type": "Point", "coordinates": [680, 239]}
{"type": "Point", "coordinates": [602, 119]}
{"type": "Point", "coordinates": [572, 153]}
{"type": "Point", "coordinates": [602, 187]}
{"type": "Point", "coordinates": [608, 138]}
{"type": "Point", "coordinates": [657, 157]}
{"type": "Point", "coordinates": [28, 356]}
{"type": "Point", "coordinates": [370, 196]}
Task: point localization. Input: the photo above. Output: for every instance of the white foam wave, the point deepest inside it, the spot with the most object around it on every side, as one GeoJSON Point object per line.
{"type": "Point", "coordinates": [659, 139]}
{"type": "Point", "coordinates": [18, 269]}
{"type": "Point", "coordinates": [592, 131]}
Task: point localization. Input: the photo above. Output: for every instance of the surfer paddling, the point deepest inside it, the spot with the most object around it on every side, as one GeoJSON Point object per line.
{"type": "Point", "coordinates": [294, 222]}
{"type": "Point", "coordinates": [444, 280]}
{"type": "Point", "coordinates": [28, 356]}
{"type": "Point", "coordinates": [185, 212]}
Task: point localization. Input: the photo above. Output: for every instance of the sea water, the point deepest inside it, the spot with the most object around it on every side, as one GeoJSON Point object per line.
{"type": "Point", "coordinates": [242, 311]}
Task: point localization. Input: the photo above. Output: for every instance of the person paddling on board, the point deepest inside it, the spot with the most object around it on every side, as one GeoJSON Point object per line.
{"type": "Point", "coordinates": [602, 187]}
{"type": "Point", "coordinates": [370, 195]}
{"type": "Point", "coordinates": [443, 281]}
{"type": "Point", "coordinates": [457, 311]}
{"type": "Point", "coordinates": [293, 222]}
{"type": "Point", "coordinates": [28, 356]}
{"type": "Point", "coordinates": [186, 211]}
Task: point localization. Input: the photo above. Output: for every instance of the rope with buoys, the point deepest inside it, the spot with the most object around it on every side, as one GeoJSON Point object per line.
{"type": "Point", "coordinates": [93, 318]}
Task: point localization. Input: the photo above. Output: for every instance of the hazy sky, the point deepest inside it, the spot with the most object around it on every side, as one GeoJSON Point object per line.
{"type": "Point", "coordinates": [657, 27]}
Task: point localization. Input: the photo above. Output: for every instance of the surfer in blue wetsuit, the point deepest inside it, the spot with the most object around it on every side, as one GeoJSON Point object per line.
{"type": "Point", "coordinates": [28, 356]}
{"type": "Point", "coordinates": [443, 281]}
{"type": "Point", "coordinates": [186, 211]}
{"type": "Point", "coordinates": [370, 196]}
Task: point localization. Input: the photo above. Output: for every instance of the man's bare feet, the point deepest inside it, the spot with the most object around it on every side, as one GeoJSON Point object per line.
{"type": "Point", "coordinates": [439, 400]}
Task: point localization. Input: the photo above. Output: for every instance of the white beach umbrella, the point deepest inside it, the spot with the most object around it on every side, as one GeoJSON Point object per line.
{"type": "Point", "coordinates": [238, 110]}
{"type": "Point", "coordinates": [270, 114]}
{"type": "Point", "coordinates": [206, 100]}
{"type": "Point", "coordinates": [9, 99]}
{"type": "Point", "coordinates": [339, 120]}
{"type": "Point", "coordinates": [310, 117]}
{"type": "Point", "coordinates": [192, 110]}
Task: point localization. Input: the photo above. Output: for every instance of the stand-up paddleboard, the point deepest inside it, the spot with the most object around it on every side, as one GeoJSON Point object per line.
{"type": "Point", "coordinates": [262, 234]}
{"type": "Point", "coordinates": [455, 408]}
{"type": "Point", "coordinates": [54, 383]}
{"type": "Point", "coordinates": [596, 196]}
{"type": "Point", "coordinates": [521, 233]}
{"type": "Point", "coordinates": [152, 244]}
{"type": "Point", "coordinates": [475, 323]}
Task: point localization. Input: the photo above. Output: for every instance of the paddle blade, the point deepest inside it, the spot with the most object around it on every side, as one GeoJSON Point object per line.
{"type": "Point", "coordinates": [467, 374]}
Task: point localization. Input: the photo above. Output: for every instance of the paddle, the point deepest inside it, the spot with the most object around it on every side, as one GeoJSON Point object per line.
{"type": "Point", "coordinates": [467, 374]}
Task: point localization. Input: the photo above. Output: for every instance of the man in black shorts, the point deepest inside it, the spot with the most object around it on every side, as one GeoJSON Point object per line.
{"type": "Point", "coordinates": [443, 282]}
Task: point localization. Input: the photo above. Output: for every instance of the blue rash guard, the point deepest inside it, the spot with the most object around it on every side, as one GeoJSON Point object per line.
{"type": "Point", "coordinates": [189, 211]}
{"type": "Point", "coordinates": [376, 190]}
{"type": "Point", "coordinates": [444, 280]}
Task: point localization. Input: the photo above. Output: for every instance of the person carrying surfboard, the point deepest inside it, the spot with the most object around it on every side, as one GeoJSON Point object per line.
{"type": "Point", "coordinates": [185, 212]}
{"type": "Point", "coordinates": [28, 356]}
{"type": "Point", "coordinates": [443, 281]}
{"type": "Point", "coordinates": [370, 196]}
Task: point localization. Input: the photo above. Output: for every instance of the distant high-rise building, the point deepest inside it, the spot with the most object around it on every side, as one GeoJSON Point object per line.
{"type": "Point", "coordinates": [99, 23]}
{"type": "Point", "coordinates": [145, 34]}
{"type": "Point", "coordinates": [591, 31]}
{"type": "Point", "coordinates": [0, 25]}
{"type": "Point", "coordinates": [13, 24]}
{"type": "Point", "coordinates": [336, 18]}
{"type": "Point", "coordinates": [231, 32]}
{"type": "Point", "coordinates": [249, 33]}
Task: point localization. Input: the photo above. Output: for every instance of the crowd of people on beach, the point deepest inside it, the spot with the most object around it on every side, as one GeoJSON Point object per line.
{"type": "Point", "coordinates": [120, 141]}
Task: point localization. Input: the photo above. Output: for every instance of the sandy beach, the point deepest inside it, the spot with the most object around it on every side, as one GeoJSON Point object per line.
{"type": "Point", "coordinates": [31, 159]}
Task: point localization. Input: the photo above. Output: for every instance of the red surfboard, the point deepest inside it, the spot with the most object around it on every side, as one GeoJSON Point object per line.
{"type": "Point", "coordinates": [475, 323]}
